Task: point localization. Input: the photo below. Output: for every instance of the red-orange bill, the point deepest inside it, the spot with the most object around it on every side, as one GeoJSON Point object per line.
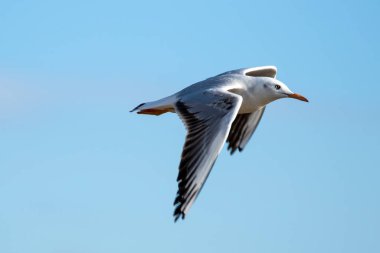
{"type": "Point", "coordinates": [298, 96]}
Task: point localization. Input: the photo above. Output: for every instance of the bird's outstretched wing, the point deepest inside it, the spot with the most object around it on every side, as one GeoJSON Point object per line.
{"type": "Point", "coordinates": [269, 71]}
{"type": "Point", "coordinates": [242, 129]}
{"type": "Point", "coordinates": [208, 117]}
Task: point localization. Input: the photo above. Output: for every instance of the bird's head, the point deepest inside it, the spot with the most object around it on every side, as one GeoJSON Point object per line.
{"type": "Point", "coordinates": [274, 89]}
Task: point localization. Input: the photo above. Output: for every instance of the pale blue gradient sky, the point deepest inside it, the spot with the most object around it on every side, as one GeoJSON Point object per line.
{"type": "Point", "coordinates": [79, 173]}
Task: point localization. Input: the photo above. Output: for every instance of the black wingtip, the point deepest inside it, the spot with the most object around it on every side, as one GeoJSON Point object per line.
{"type": "Point", "coordinates": [178, 212]}
{"type": "Point", "coordinates": [231, 149]}
{"type": "Point", "coordinates": [179, 215]}
{"type": "Point", "coordinates": [178, 199]}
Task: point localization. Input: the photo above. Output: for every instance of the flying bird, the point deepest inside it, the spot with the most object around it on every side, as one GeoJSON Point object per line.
{"type": "Point", "coordinates": [224, 108]}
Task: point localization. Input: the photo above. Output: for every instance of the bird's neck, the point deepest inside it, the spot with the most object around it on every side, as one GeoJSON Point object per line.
{"type": "Point", "coordinates": [258, 92]}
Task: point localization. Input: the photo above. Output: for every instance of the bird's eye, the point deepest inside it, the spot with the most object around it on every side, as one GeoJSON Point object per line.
{"type": "Point", "coordinates": [277, 87]}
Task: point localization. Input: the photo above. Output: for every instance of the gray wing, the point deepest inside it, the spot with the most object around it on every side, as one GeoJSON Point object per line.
{"type": "Point", "coordinates": [242, 129]}
{"type": "Point", "coordinates": [269, 71]}
{"type": "Point", "coordinates": [208, 117]}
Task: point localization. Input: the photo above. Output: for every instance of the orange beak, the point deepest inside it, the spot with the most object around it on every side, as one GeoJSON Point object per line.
{"type": "Point", "coordinates": [298, 96]}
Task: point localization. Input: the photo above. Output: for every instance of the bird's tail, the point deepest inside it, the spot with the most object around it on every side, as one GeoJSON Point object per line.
{"type": "Point", "coordinates": [156, 107]}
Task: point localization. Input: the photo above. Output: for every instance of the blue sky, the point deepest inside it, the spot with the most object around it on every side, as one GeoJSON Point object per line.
{"type": "Point", "coordinates": [79, 173]}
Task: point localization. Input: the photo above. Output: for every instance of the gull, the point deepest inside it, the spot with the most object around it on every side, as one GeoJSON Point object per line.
{"type": "Point", "coordinates": [224, 108]}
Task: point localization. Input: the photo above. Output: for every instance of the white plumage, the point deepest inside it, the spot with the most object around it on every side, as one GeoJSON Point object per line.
{"type": "Point", "coordinates": [227, 107]}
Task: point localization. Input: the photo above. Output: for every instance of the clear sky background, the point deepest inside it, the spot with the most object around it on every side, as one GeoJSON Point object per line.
{"type": "Point", "coordinates": [79, 173]}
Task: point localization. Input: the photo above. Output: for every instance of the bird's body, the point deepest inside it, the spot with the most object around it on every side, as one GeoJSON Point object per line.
{"type": "Point", "coordinates": [226, 107]}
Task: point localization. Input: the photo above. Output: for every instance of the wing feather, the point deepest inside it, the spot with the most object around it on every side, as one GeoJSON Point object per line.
{"type": "Point", "coordinates": [208, 117]}
{"type": "Point", "coordinates": [242, 129]}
